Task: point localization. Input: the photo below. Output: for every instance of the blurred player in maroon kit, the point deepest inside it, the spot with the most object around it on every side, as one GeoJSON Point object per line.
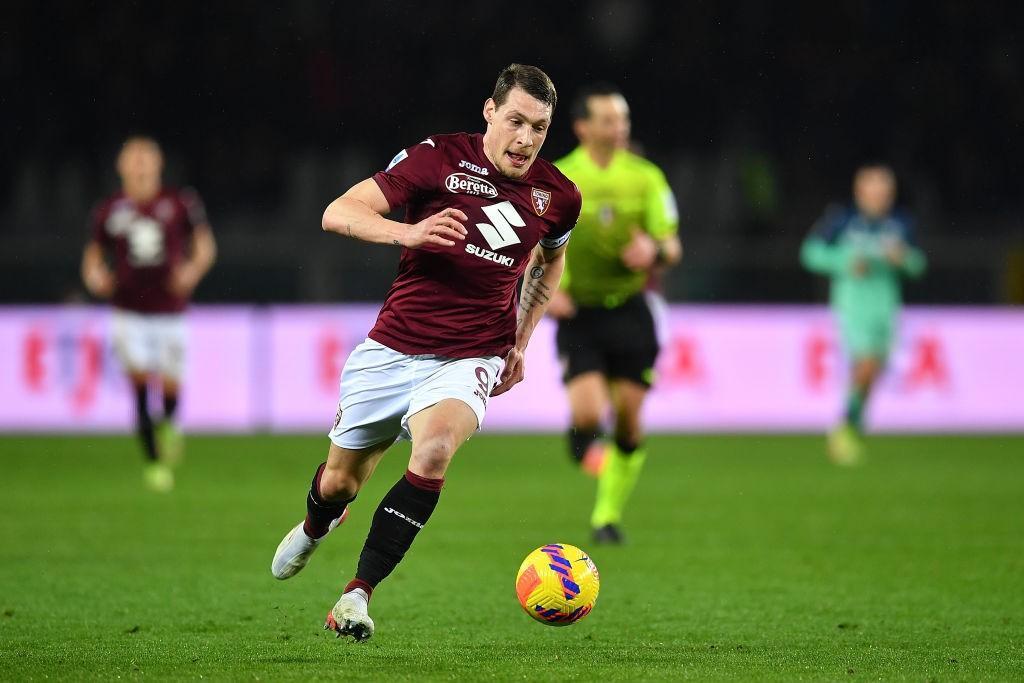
{"type": "Point", "coordinates": [162, 246]}
{"type": "Point", "coordinates": [482, 211]}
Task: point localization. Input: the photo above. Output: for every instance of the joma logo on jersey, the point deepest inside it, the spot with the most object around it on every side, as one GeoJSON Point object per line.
{"type": "Point", "coordinates": [479, 170]}
{"type": "Point", "coordinates": [466, 184]}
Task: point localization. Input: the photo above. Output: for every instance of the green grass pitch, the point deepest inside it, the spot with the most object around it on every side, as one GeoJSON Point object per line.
{"type": "Point", "coordinates": [749, 558]}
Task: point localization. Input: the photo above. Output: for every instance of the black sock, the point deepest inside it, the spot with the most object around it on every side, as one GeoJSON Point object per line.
{"type": "Point", "coordinates": [170, 405]}
{"type": "Point", "coordinates": [319, 512]}
{"type": "Point", "coordinates": [580, 439]}
{"type": "Point", "coordinates": [143, 422]}
{"type": "Point", "coordinates": [626, 446]}
{"type": "Point", "coordinates": [399, 517]}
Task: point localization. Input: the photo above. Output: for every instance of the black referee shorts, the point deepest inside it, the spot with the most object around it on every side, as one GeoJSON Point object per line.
{"type": "Point", "coordinates": [620, 343]}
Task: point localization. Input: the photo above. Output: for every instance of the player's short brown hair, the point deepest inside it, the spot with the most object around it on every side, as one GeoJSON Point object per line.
{"type": "Point", "coordinates": [143, 138]}
{"type": "Point", "coordinates": [580, 108]}
{"type": "Point", "coordinates": [530, 79]}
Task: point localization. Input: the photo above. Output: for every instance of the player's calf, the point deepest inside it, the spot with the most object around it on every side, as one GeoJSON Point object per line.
{"type": "Point", "coordinates": [298, 545]}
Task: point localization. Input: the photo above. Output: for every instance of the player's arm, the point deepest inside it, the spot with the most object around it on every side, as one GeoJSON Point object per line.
{"type": "Point", "coordinates": [96, 275]}
{"type": "Point", "coordinates": [360, 214]}
{"type": "Point", "coordinates": [540, 283]}
{"type": "Point", "coordinates": [657, 245]}
{"type": "Point", "coordinates": [201, 256]}
{"type": "Point", "coordinates": [905, 255]}
{"type": "Point", "coordinates": [820, 252]}
{"type": "Point", "coordinates": [914, 261]}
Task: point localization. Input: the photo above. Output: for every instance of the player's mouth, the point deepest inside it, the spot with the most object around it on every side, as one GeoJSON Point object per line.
{"type": "Point", "coordinates": [517, 160]}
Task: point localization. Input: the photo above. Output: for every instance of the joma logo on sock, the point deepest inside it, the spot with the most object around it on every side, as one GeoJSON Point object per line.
{"type": "Point", "coordinates": [396, 513]}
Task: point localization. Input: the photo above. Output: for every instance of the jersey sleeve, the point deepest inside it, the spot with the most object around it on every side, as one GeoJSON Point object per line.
{"type": "Point", "coordinates": [820, 252]}
{"type": "Point", "coordinates": [660, 211]}
{"type": "Point", "coordinates": [195, 210]}
{"type": "Point", "coordinates": [559, 235]}
{"type": "Point", "coordinates": [412, 172]}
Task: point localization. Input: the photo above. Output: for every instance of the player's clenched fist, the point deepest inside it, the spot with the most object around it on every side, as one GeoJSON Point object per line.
{"type": "Point", "coordinates": [442, 228]}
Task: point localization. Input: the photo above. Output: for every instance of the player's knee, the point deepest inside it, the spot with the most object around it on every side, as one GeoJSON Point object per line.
{"type": "Point", "coordinates": [337, 483]}
{"type": "Point", "coordinates": [586, 421]}
{"type": "Point", "coordinates": [430, 457]}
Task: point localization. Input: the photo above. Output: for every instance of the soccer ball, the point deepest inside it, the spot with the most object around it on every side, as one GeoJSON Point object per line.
{"type": "Point", "coordinates": [557, 584]}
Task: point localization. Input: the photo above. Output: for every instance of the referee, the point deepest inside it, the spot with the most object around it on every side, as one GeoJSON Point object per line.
{"type": "Point", "coordinates": [606, 336]}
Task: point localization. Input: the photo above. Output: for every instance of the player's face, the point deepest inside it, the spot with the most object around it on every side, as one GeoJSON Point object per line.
{"type": "Point", "coordinates": [515, 132]}
{"type": "Point", "coordinates": [608, 124]}
{"type": "Point", "coordinates": [140, 164]}
{"type": "Point", "coordinates": [874, 191]}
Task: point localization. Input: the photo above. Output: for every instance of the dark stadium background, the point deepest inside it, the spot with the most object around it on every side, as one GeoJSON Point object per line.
{"type": "Point", "coordinates": [757, 111]}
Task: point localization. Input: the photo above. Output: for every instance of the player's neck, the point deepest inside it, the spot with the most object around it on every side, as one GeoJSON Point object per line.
{"type": "Point", "coordinates": [140, 194]}
{"type": "Point", "coordinates": [600, 155]}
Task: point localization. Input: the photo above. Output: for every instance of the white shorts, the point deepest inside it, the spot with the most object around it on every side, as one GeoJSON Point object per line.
{"type": "Point", "coordinates": [150, 343]}
{"type": "Point", "coordinates": [382, 388]}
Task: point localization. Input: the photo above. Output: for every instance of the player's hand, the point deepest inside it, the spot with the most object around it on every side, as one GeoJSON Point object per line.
{"type": "Point", "coordinates": [860, 266]}
{"type": "Point", "coordinates": [561, 306]}
{"type": "Point", "coordinates": [895, 253]}
{"type": "Point", "coordinates": [100, 282]}
{"type": "Point", "coordinates": [443, 228]}
{"type": "Point", "coordinates": [641, 252]}
{"type": "Point", "coordinates": [513, 372]}
{"type": "Point", "coordinates": [184, 280]}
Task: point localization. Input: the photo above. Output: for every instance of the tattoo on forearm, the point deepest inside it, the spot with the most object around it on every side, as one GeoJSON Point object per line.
{"type": "Point", "coordinates": [535, 293]}
{"type": "Point", "coordinates": [348, 226]}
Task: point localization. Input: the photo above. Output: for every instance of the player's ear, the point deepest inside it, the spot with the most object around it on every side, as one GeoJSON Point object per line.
{"type": "Point", "coordinates": [489, 108]}
{"type": "Point", "coordinates": [579, 128]}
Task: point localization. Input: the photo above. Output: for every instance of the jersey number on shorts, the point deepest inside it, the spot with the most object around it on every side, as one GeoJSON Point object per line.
{"type": "Point", "coordinates": [499, 232]}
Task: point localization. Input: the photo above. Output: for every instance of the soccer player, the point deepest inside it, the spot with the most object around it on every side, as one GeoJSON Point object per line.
{"type": "Point", "coordinates": [162, 246]}
{"type": "Point", "coordinates": [865, 250]}
{"type": "Point", "coordinates": [606, 336]}
{"type": "Point", "coordinates": [481, 211]}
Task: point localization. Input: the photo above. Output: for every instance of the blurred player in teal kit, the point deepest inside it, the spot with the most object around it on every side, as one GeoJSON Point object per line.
{"type": "Point", "coordinates": [866, 250]}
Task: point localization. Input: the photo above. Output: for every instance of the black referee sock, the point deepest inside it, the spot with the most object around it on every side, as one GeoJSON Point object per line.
{"type": "Point", "coordinates": [399, 517]}
{"type": "Point", "coordinates": [580, 439]}
{"type": "Point", "coordinates": [319, 512]}
{"type": "Point", "coordinates": [143, 422]}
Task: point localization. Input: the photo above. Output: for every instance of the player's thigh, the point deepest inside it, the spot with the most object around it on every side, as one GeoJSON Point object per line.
{"type": "Point", "coordinates": [168, 337]}
{"type": "Point", "coordinates": [866, 335]}
{"type": "Point", "coordinates": [376, 384]}
{"type": "Point", "coordinates": [632, 343]}
{"type": "Point", "coordinates": [628, 401]}
{"type": "Point", "coordinates": [468, 380]}
{"type": "Point", "coordinates": [588, 398]}
{"type": "Point", "coordinates": [132, 344]}
{"type": "Point", "coordinates": [579, 344]}
{"type": "Point", "coordinates": [437, 432]}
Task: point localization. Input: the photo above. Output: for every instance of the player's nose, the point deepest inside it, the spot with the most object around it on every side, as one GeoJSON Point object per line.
{"type": "Point", "coordinates": [525, 138]}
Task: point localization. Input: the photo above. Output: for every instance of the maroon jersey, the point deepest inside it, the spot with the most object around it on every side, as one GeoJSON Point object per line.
{"type": "Point", "coordinates": [147, 242]}
{"type": "Point", "coordinates": [460, 301]}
